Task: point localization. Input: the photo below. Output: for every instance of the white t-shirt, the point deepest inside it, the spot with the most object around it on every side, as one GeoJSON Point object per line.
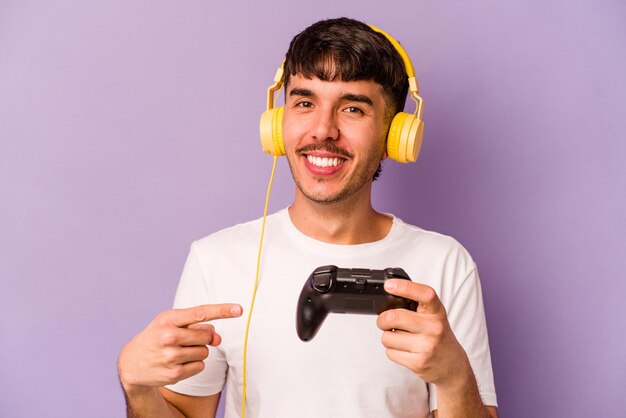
{"type": "Point", "coordinates": [343, 371]}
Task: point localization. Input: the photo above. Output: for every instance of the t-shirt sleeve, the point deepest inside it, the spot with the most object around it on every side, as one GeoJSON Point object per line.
{"type": "Point", "coordinates": [193, 289]}
{"type": "Point", "coordinates": [466, 316]}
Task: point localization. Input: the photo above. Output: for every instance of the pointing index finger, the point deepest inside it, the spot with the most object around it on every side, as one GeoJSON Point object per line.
{"type": "Point", "coordinates": [203, 313]}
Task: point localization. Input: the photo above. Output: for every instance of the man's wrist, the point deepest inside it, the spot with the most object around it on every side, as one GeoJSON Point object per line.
{"type": "Point", "coordinates": [133, 391]}
{"type": "Point", "coordinates": [459, 396]}
{"type": "Point", "coordinates": [459, 381]}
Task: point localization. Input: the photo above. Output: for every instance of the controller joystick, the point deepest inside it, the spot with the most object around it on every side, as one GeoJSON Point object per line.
{"type": "Point", "coordinates": [344, 290]}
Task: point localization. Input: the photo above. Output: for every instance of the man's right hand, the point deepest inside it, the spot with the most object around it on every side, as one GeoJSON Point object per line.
{"type": "Point", "coordinates": [172, 347]}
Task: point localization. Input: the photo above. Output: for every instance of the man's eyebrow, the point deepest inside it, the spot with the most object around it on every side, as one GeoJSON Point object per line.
{"type": "Point", "coordinates": [360, 98]}
{"type": "Point", "coordinates": [301, 92]}
{"type": "Point", "coordinates": [351, 97]}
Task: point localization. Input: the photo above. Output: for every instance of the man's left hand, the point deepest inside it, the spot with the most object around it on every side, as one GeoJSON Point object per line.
{"type": "Point", "coordinates": [422, 341]}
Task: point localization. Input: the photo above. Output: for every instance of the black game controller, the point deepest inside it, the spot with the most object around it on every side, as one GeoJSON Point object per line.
{"type": "Point", "coordinates": [342, 290]}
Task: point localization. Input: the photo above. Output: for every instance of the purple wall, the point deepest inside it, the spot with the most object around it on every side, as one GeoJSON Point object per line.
{"type": "Point", "coordinates": [128, 129]}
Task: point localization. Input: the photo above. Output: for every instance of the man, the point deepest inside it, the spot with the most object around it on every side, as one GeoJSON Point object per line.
{"type": "Point", "coordinates": [343, 84]}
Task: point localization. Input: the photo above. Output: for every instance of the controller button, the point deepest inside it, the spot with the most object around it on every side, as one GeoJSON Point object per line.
{"type": "Point", "coordinates": [322, 282]}
{"type": "Point", "coordinates": [359, 283]}
{"type": "Point", "coordinates": [361, 272]}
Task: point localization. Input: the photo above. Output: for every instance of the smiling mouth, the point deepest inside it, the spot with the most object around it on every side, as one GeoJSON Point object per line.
{"type": "Point", "coordinates": [324, 161]}
{"type": "Point", "coordinates": [324, 156]}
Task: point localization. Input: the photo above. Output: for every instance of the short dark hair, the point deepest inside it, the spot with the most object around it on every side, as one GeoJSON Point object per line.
{"type": "Point", "coordinates": [345, 49]}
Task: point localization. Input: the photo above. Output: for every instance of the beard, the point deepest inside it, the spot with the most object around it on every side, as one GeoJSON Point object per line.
{"type": "Point", "coordinates": [360, 178]}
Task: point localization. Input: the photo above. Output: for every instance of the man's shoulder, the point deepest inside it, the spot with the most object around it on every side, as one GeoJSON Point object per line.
{"type": "Point", "coordinates": [435, 242]}
{"type": "Point", "coordinates": [415, 232]}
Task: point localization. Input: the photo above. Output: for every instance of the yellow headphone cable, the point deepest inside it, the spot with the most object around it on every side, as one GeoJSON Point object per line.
{"type": "Point", "coordinates": [256, 285]}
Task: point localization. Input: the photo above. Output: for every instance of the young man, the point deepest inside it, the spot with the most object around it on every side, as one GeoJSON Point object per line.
{"type": "Point", "coordinates": [343, 84]}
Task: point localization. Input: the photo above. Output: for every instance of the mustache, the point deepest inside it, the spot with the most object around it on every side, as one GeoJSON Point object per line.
{"type": "Point", "coordinates": [328, 147]}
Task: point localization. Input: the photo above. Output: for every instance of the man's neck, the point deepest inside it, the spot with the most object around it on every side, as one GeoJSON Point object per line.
{"type": "Point", "coordinates": [346, 222]}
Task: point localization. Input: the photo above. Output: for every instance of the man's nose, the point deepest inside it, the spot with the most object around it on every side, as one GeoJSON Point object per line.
{"type": "Point", "coordinates": [325, 126]}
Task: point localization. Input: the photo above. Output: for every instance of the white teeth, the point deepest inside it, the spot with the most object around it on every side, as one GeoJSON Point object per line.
{"type": "Point", "coordinates": [324, 161]}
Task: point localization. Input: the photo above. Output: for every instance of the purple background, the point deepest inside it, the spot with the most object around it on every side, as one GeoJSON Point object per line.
{"type": "Point", "coordinates": [129, 129]}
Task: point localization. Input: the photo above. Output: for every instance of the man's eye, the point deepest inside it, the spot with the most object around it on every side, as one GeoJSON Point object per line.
{"type": "Point", "coordinates": [354, 109]}
{"type": "Point", "coordinates": [304, 104]}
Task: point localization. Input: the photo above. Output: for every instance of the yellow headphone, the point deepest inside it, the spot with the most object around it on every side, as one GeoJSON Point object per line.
{"type": "Point", "coordinates": [404, 139]}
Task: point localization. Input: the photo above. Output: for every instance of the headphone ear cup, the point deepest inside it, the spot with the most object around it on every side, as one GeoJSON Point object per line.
{"type": "Point", "coordinates": [404, 139]}
{"type": "Point", "coordinates": [272, 131]}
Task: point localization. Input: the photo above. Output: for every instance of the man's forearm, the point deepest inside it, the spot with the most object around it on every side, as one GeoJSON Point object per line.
{"type": "Point", "coordinates": [149, 403]}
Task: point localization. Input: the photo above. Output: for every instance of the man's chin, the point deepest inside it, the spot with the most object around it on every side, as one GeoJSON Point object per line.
{"type": "Point", "coordinates": [322, 199]}
{"type": "Point", "coordinates": [323, 202]}
{"type": "Point", "coordinates": [326, 198]}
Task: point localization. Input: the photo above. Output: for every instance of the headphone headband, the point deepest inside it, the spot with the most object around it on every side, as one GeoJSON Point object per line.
{"type": "Point", "coordinates": [408, 65]}
{"type": "Point", "coordinates": [279, 77]}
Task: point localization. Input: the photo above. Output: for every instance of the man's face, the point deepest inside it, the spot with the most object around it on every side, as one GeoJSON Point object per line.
{"type": "Point", "coordinates": [334, 135]}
